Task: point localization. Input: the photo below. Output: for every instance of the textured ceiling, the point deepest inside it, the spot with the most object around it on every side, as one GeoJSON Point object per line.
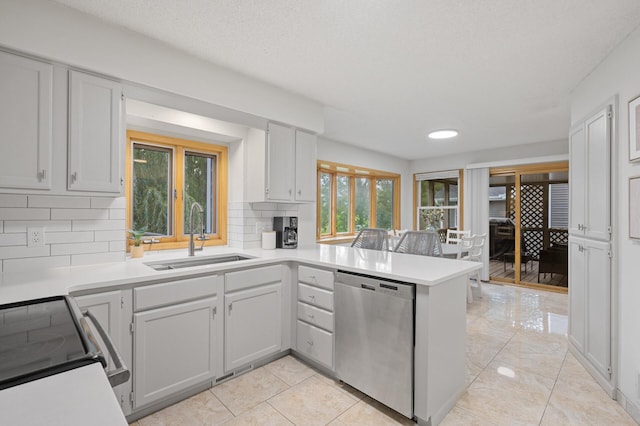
{"type": "Point", "coordinates": [500, 71]}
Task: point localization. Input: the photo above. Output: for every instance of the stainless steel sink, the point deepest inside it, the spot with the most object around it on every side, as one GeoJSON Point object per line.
{"type": "Point", "coordinates": [199, 261]}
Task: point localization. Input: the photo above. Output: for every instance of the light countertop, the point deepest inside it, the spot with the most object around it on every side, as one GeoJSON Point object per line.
{"type": "Point", "coordinates": [421, 270]}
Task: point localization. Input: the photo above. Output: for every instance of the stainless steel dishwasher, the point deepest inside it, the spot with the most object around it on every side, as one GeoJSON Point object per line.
{"type": "Point", "coordinates": [375, 338]}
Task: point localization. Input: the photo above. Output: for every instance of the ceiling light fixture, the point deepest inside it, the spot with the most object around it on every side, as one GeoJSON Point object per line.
{"type": "Point", "coordinates": [443, 134]}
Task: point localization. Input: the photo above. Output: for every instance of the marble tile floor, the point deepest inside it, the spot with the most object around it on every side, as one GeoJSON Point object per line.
{"type": "Point", "coordinates": [519, 372]}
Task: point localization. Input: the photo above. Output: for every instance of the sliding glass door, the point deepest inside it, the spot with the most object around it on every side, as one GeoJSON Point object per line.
{"type": "Point", "coordinates": [529, 225]}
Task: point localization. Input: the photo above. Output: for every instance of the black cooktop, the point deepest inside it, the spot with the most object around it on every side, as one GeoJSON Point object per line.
{"type": "Point", "coordinates": [39, 338]}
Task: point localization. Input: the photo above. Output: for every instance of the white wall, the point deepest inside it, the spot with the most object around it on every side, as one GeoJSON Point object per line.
{"type": "Point", "coordinates": [59, 33]}
{"type": "Point", "coordinates": [619, 74]}
{"type": "Point", "coordinates": [460, 161]}
{"type": "Point", "coordinates": [329, 150]}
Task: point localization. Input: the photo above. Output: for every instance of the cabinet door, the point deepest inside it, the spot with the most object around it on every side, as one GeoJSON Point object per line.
{"type": "Point", "coordinates": [597, 208]}
{"type": "Point", "coordinates": [280, 163]}
{"type": "Point", "coordinates": [305, 182]}
{"type": "Point", "coordinates": [95, 134]}
{"type": "Point", "coordinates": [174, 349]}
{"type": "Point", "coordinates": [577, 182]}
{"type": "Point", "coordinates": [108, 309]}
{"type": "Point", "coordinates": [25, 122]}
{"type": "Point", "coordinates": [598, 306]}
{"type": "Point", "coordinates": [577, 293]}
{"type": "Point", "coordinates": [253, 326]}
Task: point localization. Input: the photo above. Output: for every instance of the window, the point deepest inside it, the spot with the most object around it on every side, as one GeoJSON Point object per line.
{"type": "Point", "coordinates": [437, 200]}
{"type": "Point", "coordinates": [353, 198]}
{"type": "Point", "coordinates": [165, 177]}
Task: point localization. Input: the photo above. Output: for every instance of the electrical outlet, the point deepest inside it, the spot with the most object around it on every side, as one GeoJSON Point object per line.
{"type": "Point", "coordinates": [35, 237]}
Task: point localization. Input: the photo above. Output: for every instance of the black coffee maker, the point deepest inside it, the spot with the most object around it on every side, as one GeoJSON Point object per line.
{"type": "Point", "coordinates": [286, 228]}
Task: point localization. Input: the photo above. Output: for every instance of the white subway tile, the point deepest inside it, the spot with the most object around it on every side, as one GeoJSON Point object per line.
{"type": "Point", "coordinates": [108, 203]}
{"type": "Point", "coordinates": [17, 252]}
{"type": "Point", "coordinates": [235, 213]}
{"type": "Point", "coordinates": [270, 213]}
{"type": "Point", "coordinates": [79, 248]}
{"type": "Point", "coordinates": [88, 259]}
{"type": "Point", "coordinates": [98, 225]}
{"type": "Point", "coordinates": [117, 246]}
{"type": "Point", "coordinates": [68, 237]}
{"type": "Point", "coordinates": [81, 214]}
{"type": "Point", "coordinates": [16, 213]}
{"type": "Point", "coordinates": [119, 235]}
{"type": "Point", "coordinates": [19, 265]}
{"type": "Point", "coordinates": [13, 239]}
{"type": "Point", "coordinates": [117, 214]}
{"type": "Point", "coordinates": [251, 213]}
{"type": "Point", "coordinates": [48, 225]}
{"type": "Point", "coordinates": [13, 200]}
{"type": "Point", "coordinates": [263, 206]}
{"type": "Point", "coordinates": [252, 244]}
{"type": "Point", "coordinates": [235, 221]}
{"type": "Point", "coordinates": [291, 213]}
{"type": "Point", "coordinates": [57, 201]}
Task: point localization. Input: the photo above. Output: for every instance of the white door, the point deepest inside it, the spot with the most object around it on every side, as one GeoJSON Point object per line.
{"type": "Point", "coordinates": [25, 122]}
{"type": "Point", "coordinates": [577, 183]}
{"type": "Point", "coordinates": [577, 293]}
{"type": "Point", "coordinates": [174, 349]}
{"type": "Point", "coordinates": [280, 163]}
{"type": "Point", "coordinates": [253, 325]}
{"type": "Point", "coordinates": [598, 307]}
{"type": "Point", "coordinates": [95, 134]}
{"type": "Point", "coordinates": [305, 182]}
{"type": "Point", "coordinates": [597, 133]}
{"type": "Point", "coordinates": [108, 309]}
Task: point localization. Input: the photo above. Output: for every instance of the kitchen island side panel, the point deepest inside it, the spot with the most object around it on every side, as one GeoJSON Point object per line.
{"type": "Point", "coordinates": [440, 348]}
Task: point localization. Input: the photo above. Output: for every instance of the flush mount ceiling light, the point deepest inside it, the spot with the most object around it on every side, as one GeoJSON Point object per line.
{"type": "Point", "coordinates": [443, 134]}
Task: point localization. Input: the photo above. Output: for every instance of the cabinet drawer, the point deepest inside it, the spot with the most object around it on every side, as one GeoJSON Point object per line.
{"type": "Point", "coordinates": [252, 277]}
{"type": "Point", "coordinates": [315, 296]}
{"type": "Point", "coordinates": [315, 316]}
{"type": "Point", "coordinates": [317, 277]}
{"type": "Point", "coordinates": [315, 343]}
{"type": "Point", "coordinates": [170, 293]}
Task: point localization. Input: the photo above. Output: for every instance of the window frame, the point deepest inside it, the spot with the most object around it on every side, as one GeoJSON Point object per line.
{"type": "Point", "coordinates": [440, 177]}
{"type": "Point", "coordinates": [353, 172]}
{"type": "Point", "coordinates": [180, 147]}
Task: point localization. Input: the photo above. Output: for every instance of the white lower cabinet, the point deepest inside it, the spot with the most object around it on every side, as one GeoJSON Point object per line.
{"type": "Point", "coordinates": [315, 343]}
{"type": "Point", "coordinates": [175, 333]}
{"type": "Point", "coordinates": [111, 309]}
{"type": "Point", "coordinates": [174, 349]}
{"type": "Point", "coordinates": [253, 324]}
{"type": "Point", "coordinates": [315, 324]}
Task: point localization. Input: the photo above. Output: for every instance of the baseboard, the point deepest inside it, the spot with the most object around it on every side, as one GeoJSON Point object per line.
{"type": "Point", "coordinates": [629, 406]}
{"type": "Point", "coordinates": [605, 384]}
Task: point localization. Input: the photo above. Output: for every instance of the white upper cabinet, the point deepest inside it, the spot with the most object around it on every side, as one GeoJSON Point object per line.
{"type": "Point", "coordinates": [590, 177]}
{"type": "Point", "coordinates": [281, 165]}
{"type": "Point", "coordinates": [96, 134]}
{"type": "Point", "coordinates": [25, 122]}
{"type": "Point", "coordinates": [305, 181]}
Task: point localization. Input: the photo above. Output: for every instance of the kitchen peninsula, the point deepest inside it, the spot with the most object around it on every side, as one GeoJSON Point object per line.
{"type": "Point", "coordinates": [440, 310]}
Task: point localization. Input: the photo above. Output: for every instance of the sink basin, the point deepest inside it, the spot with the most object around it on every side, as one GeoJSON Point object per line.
{"type": "Point", "coordinates": [198, 261]}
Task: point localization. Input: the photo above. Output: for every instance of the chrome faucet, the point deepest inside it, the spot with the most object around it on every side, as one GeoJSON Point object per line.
{"type": "Point", "coordinates": [202, 237]}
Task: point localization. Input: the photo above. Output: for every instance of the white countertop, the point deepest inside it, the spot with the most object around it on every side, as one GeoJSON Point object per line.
{"type": "Point", "coordinates": [421, 270]}
{"type": "Point", "coordinates": [77, 397]}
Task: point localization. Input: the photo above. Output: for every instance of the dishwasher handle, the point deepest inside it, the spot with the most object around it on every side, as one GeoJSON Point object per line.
{"type": "Point", "coordinates": [121, 374]}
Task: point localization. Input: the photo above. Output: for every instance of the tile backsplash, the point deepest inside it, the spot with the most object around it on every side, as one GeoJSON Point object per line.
{"type": "Point", "coordinates": [246, 221]}
{"type": "Point", "coordinates": [77, 230]}
{"type": "Point", "coordinates": [80, 230]}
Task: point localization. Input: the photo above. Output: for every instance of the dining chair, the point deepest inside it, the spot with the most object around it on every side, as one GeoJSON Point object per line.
{"type": "Point", "coordinates": [454, 236]}
{"type": "Point", "coordinates": [474, 254]}
{"type": "Point", "coordinates": [425, 243]}
{"type": "Point", "coordinates": [372, 239]}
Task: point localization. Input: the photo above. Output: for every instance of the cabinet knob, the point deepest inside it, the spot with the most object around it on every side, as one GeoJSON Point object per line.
{"type": "Point", "coordinates": [299, 191]}
{"type": "Point", "coordinates": [312, 297]}
{"type": "Point", "coordinates": [74, 177]}
{"type": "Point", "coordinates": [289, 192]}
{"type": "Point", "coordinates": [310, 342]}
{"type": "Point", "coordinates": [311, 317]}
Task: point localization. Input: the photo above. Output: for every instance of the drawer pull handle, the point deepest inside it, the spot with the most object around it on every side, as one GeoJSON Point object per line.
{"type": "Point", "coordinates": [310, 342]}
{"type": "Point", "coordinates": [312, 317]}
{"type": "Point", "coordinates": [312, 297]}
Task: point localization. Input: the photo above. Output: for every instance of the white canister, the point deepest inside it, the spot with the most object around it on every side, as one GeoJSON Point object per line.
{"type": "Point", "coordinates": [269, 240]}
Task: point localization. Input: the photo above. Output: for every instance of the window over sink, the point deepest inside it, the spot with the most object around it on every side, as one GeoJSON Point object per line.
{"type": "Point", "coordinates": [165, 176]}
